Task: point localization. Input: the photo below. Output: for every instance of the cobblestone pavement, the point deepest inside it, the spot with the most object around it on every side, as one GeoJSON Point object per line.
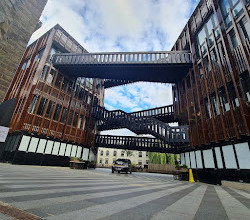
{"type": "Point", "coordinates": [61, 193]}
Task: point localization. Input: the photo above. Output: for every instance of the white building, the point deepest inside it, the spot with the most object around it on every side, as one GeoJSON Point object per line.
{"type": "Point", "coordinates": [106, 156]}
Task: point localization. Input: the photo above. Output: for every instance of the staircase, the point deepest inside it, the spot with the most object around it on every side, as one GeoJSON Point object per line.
{"type": "Point", "coordinates": [108, 120]}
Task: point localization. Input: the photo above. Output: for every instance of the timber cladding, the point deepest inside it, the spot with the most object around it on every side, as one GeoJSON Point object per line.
{"type": "Point", "coordinates": [18, 20]}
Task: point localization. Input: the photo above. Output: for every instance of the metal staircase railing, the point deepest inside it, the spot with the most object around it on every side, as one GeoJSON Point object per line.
{"type": "Point", "coordinates": [140, 125]}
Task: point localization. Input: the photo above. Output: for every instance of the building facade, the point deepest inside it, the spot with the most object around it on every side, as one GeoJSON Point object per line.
{"type": "Point", "coordinates": [52, 119]}
{"type": "Point", "coordinates": [213, 98]}
{"type": "Point", "coordinates": [18, 20]}
{"type": "Point", "coordinates": [107, 156]}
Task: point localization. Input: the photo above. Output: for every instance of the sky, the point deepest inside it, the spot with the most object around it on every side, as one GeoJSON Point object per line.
{"type": "Point", "coordinates": [123, 25]}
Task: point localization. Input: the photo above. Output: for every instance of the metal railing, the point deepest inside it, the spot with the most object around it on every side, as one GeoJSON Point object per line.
{"type": "Point", "coordinates": [159, 57]}
{"type": "Point", "coordinates": [134, 143]}
{"type": "Point", "coordinates": [140, 125]}
{"type": "Point", "coordinates": [155, 112]}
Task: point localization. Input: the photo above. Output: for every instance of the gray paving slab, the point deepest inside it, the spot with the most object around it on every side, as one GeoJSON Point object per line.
{"type": "Point", "coordinates": [234, 209]}
{"type": "Point", "coordinates": [184, 208]}
{"type": "Point", "coordinates": [62, 193]}
{"type": "Point", "coordinates": [108, 209]}
{"type": "Point", "coordinates": [211, 206]}
{"type": "Point", "coordinates": [80, 204]}
{"type": "Point", "coordinates": [239, 197]}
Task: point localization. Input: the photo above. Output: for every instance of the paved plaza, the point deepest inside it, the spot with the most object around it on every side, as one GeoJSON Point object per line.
{"type": "Point", "coordinates": [61, 193]}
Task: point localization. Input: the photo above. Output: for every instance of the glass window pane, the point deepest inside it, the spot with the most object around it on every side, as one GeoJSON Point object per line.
{"type": "Point", "coordinates": [201, 36]}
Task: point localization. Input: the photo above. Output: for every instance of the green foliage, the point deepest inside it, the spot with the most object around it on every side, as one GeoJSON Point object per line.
{"type": "Point", "coordinates": [75, 159]}
{"type": "Point", "coordinates": [129, 153]}
{"type": "Point", "coordinates": [133, 167]}
{"type": "Point", "coordinates": [177, 166]}
{"type": "Point", "coordinates": [180, 166]}
{"type": "Point", "coordinates": [161, 158]}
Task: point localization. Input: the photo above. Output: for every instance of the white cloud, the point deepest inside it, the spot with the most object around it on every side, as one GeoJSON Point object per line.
{"type": "Point", "coordinates": [138, 96]}
{"type": "Point", "coordinates": [122, 132]}
{"type": "Point", "coordinates": [114, 25]}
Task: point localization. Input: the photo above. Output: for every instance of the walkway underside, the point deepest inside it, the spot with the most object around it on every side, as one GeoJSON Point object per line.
{"type": "Point", "coordinates": [137, 143]}
{"type": "Point", "coordinates": [165, 67]}
{"type": "Point", "coordinates": [164, 73]}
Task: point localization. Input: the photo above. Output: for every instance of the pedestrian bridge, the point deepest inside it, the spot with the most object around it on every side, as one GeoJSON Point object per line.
{"type": "Point", "coordinates": [162, 66]}
{"type": "Point", "coordinates": [143, 122]}
{"type": "Point", "coordinates": [138, 143]}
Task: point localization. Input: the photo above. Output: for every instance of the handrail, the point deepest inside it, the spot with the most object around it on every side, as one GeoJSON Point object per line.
{"type": "Point", "coordinates": [123, 58]}
{"type": "Point", "coordinates": [141, 124]}
{"type": "Point", "coordinates": [164, 110]}
{"type": "Point", "coordinates": [137, 143]}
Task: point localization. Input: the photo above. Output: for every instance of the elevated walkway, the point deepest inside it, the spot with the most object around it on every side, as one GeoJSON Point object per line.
{"type": "Point", "coordinates": [135, 143]}
{"type": "Point", "coordinates": [140, 124]}
{"type": "Point", "coordinates": [163, 66]}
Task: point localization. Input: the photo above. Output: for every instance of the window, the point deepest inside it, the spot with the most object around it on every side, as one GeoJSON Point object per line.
{"type": "Point", "coordinates": [80, 122]}
{"type": "Point", "coordinates": [106, 161]}
{"type": "Point", "coordinates": [51, 77]}
{"type": "Point", "coordinates": [215, 105]}
{"type": "Point", "coordinates": [41, 107]}
{"type": "Point", "coordinates": [44, 72]}
{"type": "Point", "coordinates": [223, 99]}
{"type": "Point", "coordinates": [33, 104]}
{"type": "Point", "coordinates": [201, 36]}
{"type": "Point", "coordinates": [232, 95]}
{"type": "Point", "coordinates": [233, 39]}
{"type": "Point", "coordinates": [114, 153]}
{"type": "Point", "coordinates": [57, 112]}
{"type": "Point", "coordinates": [244, 27]}
{"type": "Point", "coordinates": [101, 153]}
{"type": "Point", "coordinates": [147, 161]}
{"type": "Point", "coordinates": [64, 115]}
{"type": "Point", "coordinates": [209, 26]}
{"type": "Point", "coordinates": [53, 51]}
{"type": "Point", "coordinates": [70, 117]}
{"type": "Point", "coordinates": [100, 161]}
{"type": "Point", "coordinates": [146, 154]}
{"type": "Point", "coordinates": [207, 108]}
{"type": "Point", "coordinates": [107, 153]}
{"type": "Point", "coordinates": [245, 81]}
{"type": "Point", "coordinates": [140, 163]}
{"type": "Point", "coordinates": [122, 154]}
{"type": "Point", "coordinates": [140, 154]}
{"type": "Point", "coordinates": [50, 109]}
{"type": "Point", "coordinates": [114, 160]}
{"type": "Point", "coordinates": [237, 9]}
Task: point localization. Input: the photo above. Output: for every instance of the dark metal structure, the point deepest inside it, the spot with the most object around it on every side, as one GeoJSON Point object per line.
{"type": "Point", "coordinates": [140, 124]}
{"type": "Point", "coordinates": [109, 83]}
{"type": "Point", "coordinates": [136, 143]}
{"type": "Point", "coordinates": [163, 66]}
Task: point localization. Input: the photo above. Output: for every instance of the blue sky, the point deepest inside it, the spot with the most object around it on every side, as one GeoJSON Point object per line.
{"type": "Point", "coordinates": [123, 25]}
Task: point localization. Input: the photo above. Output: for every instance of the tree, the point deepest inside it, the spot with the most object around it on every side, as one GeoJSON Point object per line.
{"type": "Point", "coordinates": [129, 153]}
{"type": "Point", "coordinates": [161, 158]}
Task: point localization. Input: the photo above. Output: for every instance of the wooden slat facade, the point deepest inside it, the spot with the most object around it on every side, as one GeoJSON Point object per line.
{"type": "Point", "coordinates": [50, 104]}
{"type": "Point", "coordinates": [217, 88]}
